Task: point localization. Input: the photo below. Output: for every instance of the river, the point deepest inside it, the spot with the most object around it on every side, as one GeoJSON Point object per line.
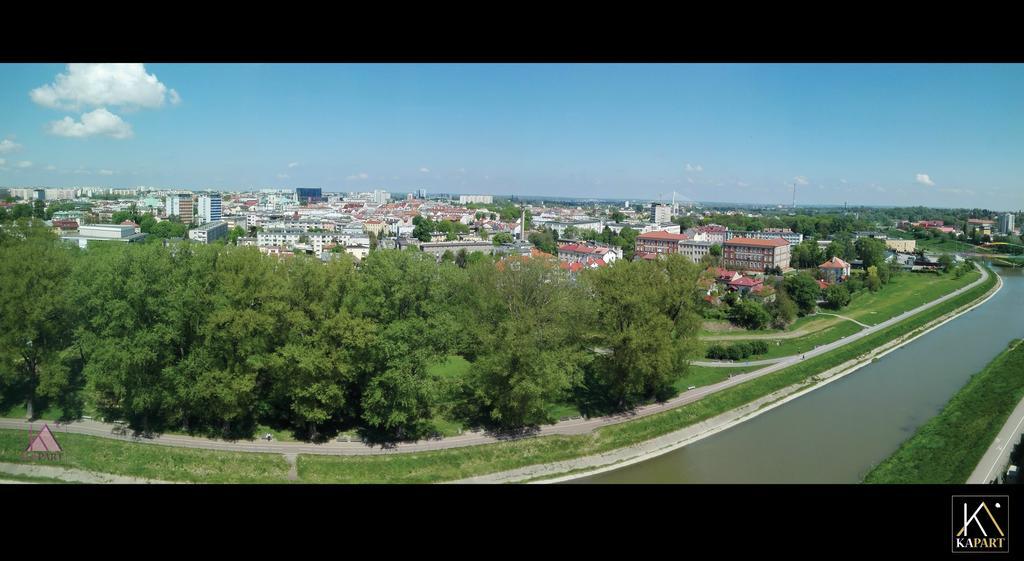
{"type": "Point", "coordinates": [836, 433]}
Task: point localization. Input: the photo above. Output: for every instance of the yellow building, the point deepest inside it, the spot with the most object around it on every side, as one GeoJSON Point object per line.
{"type": "Point", "coordinates": [902, 246]}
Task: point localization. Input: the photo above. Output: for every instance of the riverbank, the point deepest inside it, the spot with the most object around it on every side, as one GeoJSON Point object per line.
{"type": "Point", "coordinates": [911, 330]}
{"type": "Point", "coordinates": [948, 448]}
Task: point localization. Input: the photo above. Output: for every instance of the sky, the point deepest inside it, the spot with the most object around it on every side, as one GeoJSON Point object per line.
{"type": "Point", "coordinates": [948, 135]}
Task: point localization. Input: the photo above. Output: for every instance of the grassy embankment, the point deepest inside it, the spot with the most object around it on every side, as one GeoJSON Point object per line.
{"type": "Point", "coordinates": [152, 461]}
{"type": "Point", "coordinates": [949, 446]}
{"type": "Point", "coordinates": [178, 464]}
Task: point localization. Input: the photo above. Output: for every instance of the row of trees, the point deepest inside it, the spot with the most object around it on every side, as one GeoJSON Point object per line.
{"type": "Point", "coordinates": [217, 339]}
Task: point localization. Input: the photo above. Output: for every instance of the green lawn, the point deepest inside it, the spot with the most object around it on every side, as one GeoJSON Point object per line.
{"type": "Point", "coordinates": [949, 446]}
{"type": "Point", "coordinates": [452, 367]}
{"type": "Point", "coordinates": [152, 461]}
{"type": "Point", "coordinates": [904, 292]}
{"type": "Point", "coordinates": [706, 375]}
{"type": "Point", "coordinates": [948, 246]}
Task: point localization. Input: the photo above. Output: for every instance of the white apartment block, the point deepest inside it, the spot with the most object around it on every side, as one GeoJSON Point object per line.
{"type": "Point", "coordinates": [209, 232]}
{"type": "Point", "coordinates": [476, 199]}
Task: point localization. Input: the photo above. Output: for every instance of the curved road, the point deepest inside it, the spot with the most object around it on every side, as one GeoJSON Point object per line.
{"type": "Point", "coordinates": [569, 427]}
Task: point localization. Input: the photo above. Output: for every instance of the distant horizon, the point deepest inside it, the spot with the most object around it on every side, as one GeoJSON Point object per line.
{"type": "Point", "coordinates": [770, 206]}
{"type": "Point", "coordinates": [940, 135]}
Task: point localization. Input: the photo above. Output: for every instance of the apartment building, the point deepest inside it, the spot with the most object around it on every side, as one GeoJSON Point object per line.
{"type": "Point", "coordinates": [750, 254]}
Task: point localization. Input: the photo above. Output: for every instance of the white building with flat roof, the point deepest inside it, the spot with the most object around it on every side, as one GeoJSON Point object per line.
{"type": "Point", "coordinates": [103, 233]}
{"type": "Point", "coordinates": [478, 199]}
{"type": "Point", "coordinates": [209, 232]}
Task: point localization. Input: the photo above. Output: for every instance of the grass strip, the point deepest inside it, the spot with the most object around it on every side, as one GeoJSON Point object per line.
{"type": "Point", "coordinates": [949, 446]}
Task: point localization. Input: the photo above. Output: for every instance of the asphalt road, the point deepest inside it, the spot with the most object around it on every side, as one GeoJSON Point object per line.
{"type": "Point", "coordinates": [568, 427]}
{"type": "Point", "coordinates": [998, 454]}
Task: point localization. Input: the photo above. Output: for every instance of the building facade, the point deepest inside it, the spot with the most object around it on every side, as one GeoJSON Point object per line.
{"type": "Point", "coordinates": [793, 238]}
{"type": "Point", "coordinates": [750, 254]}
{"type": "Point", "coordinates": [1006, 224]}
{"type": "Point", "coordinates": [209, 209]}
{"type": "Point", "coordinates": [476, 199]}
{"type": "Point", "coordinates": [209, 232]}
{"type": "Point", "coordinates": [661, 214]}
{"type": "Point", "coordinates": [661, 243]}
{"type": "Point", "coordinates": [180, 205]}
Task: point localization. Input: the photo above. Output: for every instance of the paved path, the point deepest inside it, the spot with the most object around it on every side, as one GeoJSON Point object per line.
{"type": "Point", "coordinates": [996, 458]}
{"type": "Point", "coordinates": [569, 427]}
{"type": "Point", "coordinates": [68, 474]}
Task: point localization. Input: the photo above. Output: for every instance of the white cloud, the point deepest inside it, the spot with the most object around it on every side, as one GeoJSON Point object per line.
{"type": "Point", "coordinates": [923, 179]}
{"type": "Point", "coordinates": [24, 164]}
{"type": "Point", "coordinates": [957, 191]}
{"type": "Point", "coordinates": [843, 181]}
{"type": "Point", "coordinates": [690, 180]}
{"type": "Point", "coordinates": [95, 122]}
{"type": "Point", "coordinates": [462, 170]}
{"type": "Point", "coordinates": [7, 145]}
{"type": "Point", "coordinates": [801, 180]}
{"type": "Point", "coordinates": [694, 167]}
{"type": "Point", "coordinates": [282, 176]}
{"type": "Point", "coordinates": [742, 184]}
{"type": "Point", "coordinates": [425, 170]}
{"type": "Point", "coordinates": [95, 85]}
{"type": "Point", "coordinates": [362, 175]}
{"type": "Point", "coordinates": [51, 167]}
{"type": "Point", "coordinates": [293, 164]}
{"type": "Point", "coordinates": [105, 172]}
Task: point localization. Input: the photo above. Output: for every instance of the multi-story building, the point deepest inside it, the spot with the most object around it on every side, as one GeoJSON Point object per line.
{"type": "Point", "coordinates": [901, 246]}
{"type": "Point", "coordinates": [694, 249]}
{"type": "Point", "coordinates": [209, 209]}
{"type": "Point", "coordinates": [711, 233]}
{"type": "Point", "coordinates": [421, 193]}
{"type": "Point", "coordinates": [180, 205]}
{"type": "Point", "coordinates": [480, 199]}
{"type": "Point", "coordinates": [209, 232]}
{"type": "Point", "coordinates": [560, 227]}
{"type": "Point", "coordinates": [980, 225]}
{"type": "Point", "coordinates": [793, 238]}
{"type": "Point", "coordinates": [661, 214]}
{"type": "Point", "coordinates": [1006, 224]}
{"type": "Point", "coordinates": [662, 243]}
{"type": "Point", "coordinates": [750, 254]}
{"type": "Point", "coordinates": [104, 233]}
{"type": "Point", "coordinates": [834, 270]}
{"type": "Point", "coordinates": [309, 195]}
{"type": "Point", "coordinates": [583, 253]}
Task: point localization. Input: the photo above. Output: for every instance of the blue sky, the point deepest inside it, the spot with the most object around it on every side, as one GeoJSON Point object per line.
{"type": "Point", "coordinates": [933, 134]}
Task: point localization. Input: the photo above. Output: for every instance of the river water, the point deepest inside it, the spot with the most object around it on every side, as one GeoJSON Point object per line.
{"type": "Point", "coordinates": [835, 434]}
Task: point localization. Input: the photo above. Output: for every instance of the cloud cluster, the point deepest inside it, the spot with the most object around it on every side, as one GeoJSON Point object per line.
{"type": "Point", "coordinates": [98, 86]}
{"type": "Point", "coordinates": [923, 179]}
{"type": "Point", "coordinates": [98, 122]}
{"type": "Point", "coordinates": [800, 180]}
{"type": "Point", "coordinates": [7, 145]}
{"type": "Point", "coordinates": [425, 170]}
{"type": "Point", "coordinates": [362, 175]}
{"type": "Point", "coordinates": [694, 167]}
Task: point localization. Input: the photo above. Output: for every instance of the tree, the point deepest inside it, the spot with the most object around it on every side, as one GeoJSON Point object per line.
{"type": "Point", "coordinates": [460, 258]}
{"type": "Point", "coordinates": [544, 241]}
{"type": "Point", "coordinates": [715, 250]}
{"type": "Point", "coordinates": [783, 310]}
{"type": "Point", "coordinates": [807, 255]}
{"type": "Point", "coordinates": [871, 251]}
{"type": "Point", "coordinates": [837, 296]}
{"type": "Point", "coordinates": [502, 238]}
{"type": "Point", "coordinates": [617, 217]}
{"type": "Point", "coordinates": [946, 262]}
{"type": "Point", "coordinates": [804, 291]}
{"type": "Point", "coordinates": [35, 315]}
{"type": "Point", "coordinates": [647, 318]}
{"type": "Point", "coordinates": [423, 229]}
{"type": "Point", "coordinates": [873, 282]}
{"type": "Point", "coordinates": [750, 315]}
{"type": "Point", "coordinates": [448, 256]}
{"type": "Point", "coordinates": [39, 209]}
{"type": "Point", "coordinates": [233, 235]}
{"type": "Point", "coordinates": [530, 356]}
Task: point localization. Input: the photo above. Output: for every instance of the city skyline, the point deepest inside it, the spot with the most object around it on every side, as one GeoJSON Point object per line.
{"type": "Point", "coordinates": [886, 135]}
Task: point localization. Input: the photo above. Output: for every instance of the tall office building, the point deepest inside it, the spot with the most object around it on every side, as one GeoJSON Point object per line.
{"type": "Point", "coordinates": [421, 193]}
{"type": "Point", "coordinates": [309, 195]}
{"type": "Point", "coordinates": [209, 209]}
{"type": "Point", "coordinates": [1006, 224]}
{"type": "Point", "coordinates": [661, 214]}
{"type": "Point", "coordinates": [180, 205]}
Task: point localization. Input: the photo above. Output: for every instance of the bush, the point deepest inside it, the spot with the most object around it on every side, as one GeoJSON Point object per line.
{"type": "Point", "coordinates": [738, 351]}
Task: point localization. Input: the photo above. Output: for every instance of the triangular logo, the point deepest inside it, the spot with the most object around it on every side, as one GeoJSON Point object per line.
{"type": "Point", "coordinates": [44, 442]}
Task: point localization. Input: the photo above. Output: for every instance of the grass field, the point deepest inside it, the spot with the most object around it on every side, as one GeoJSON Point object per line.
{"type": "Point", "coordinates": [904, 292]}
{"type": "Point", "coordinates": [948, 246]}
{"type": "Point", "coordinates": [949, 446]}
{"type": "Point", "coordinates": [153, 461]}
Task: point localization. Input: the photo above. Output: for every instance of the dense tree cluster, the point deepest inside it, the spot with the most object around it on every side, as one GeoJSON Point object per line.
{"type": "Point", "coordinates": [736, 351]}
{"type": "Point", "coordinates": [216, 339]}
